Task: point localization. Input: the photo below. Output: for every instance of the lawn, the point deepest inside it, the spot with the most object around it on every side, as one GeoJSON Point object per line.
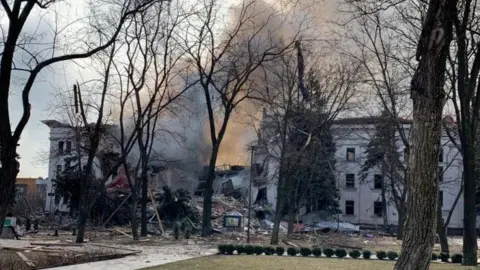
{"type": "Point", "coordinates": [279, 263]}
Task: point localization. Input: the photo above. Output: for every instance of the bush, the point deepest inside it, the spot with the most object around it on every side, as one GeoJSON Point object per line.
{"type": "Point", "coordinates": [229, 249]}
{"type": "Point", "coordinates": [457, 258]}
{"type": "Point", "coordinates": [269, 251]}
{"type": "Point", "coordinates": [434, 256]}
{"type": "Point", "coordinates": [222, 249]}
{"type": "Point", "coordinates": [367, 254]}
{"type": "Point", "coordinates": [280, 251]}
{"type": "Point", "coordinates": [381, 255]}
{"type": "Point", "coordinates": [444, 257]}
{"type": "Point", "coordinates": [258, 250]}
{"type": "Point", "coordinates": [328, 252]}
{"type": "Point", "coordinates": [317, 252]}
{"type": "Point", "coordinates": [305, 251]}
{"type": "Point", "coordinates": [354, 253]}
{"type": "Point", "coordinates": [340, 253]}
{"type": "Point", "coordinates": [249, 249]}
{"type": "Point", "coordinates": [240, 249]}
{"type": "Point", "coordinates": [392, 255]}
{"type": "Point", "coordinates": [292, 251]}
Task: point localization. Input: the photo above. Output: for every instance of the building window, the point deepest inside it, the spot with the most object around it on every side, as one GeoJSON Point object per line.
{"type": "Point", "coordinates": [69, 147]}
{"type": "Point", "coordinates": [60, 147]}
{"type": "Point", "coordinates": [377, 208]}
{"type": "Point", "coordinates": [440, 174]}
{"type": "Point", "coordinates": [440, 156]}
{"type": "Point", "coordinates": [377, 181]}
{"type": "Point", "coordinates": [349, 208]}
{"type": "Point", "coordinates": [350, 154]}
{"type": "Point", "coordinates": [440, 198]}
{"type": "Point", "coordinates": [350, 180]}
{"type": "Point", "coordinates": [59, 168]}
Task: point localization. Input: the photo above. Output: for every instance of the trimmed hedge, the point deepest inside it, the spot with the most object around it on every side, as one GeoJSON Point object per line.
{"type": "Point", "coordinates": [280, 251]}
{"type": "Point", "coordinates": [292, 251]}
{"type": "Point", "coordinates": [249, 249]}
{"type": "Point", "coordinates": [230, 249]}
{"type": "Point", "coordinates": [328, 252]}
{"type": "Point", "coordinates": [392, 255]}
{"type": "Point", "coordinates": [457, 258]}
{"type": "Point", "coordinates": [367, 254]}
{"type": "Point", "coordinates": [354, 254]}
{"type": "Point", "coordinates": [269, 251]}
{"type": "Point", "coordinates": [340, 253]}
{"type": "Point", "coordinates": [444, 257]}
{"type": "Point", "coordinates": [381, 255]}
{"type": "Point", "coordinates": [222, 249]}
{"type": "Point", "coordinates": [305, 252]}
{"type": "Point", "coordinates": [317, 252]}
{"type": "Point", "coordinates": [434, 256]}
{"type": "Point", "coordinates": [258, 250]}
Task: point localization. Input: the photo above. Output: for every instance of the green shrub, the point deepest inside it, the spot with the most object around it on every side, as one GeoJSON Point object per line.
{"type": "Point", "coordinates": [340, 253]}
{"type": "Point", "coordinates": [258, 250]}
{"type": "Point", "coordinates": [280, 251]}
{"type": "Point", "coordinates": [457, 258]}
{"type": "Point", "coordinates": [292, 251]}
{"type": "Point", "coordinates": [222, 249]}
{"type": "Point", "coordinates": [354, 254]}
{"type": "Point", "coordinates": [305, 251]}
{"type": "Point", "coordinates": [240, 249]}
{"type": "Point", "coordinates": [392, 255]}
{"type": "Point", "coordinates": [434, 256]}
{"type": "Point", "coordinates": [249, 249]}
{"type": "Point", "coordinates": [317, 252]}
{"type": "Point", "coordinates": [381, 255]}
{"type": "Point", "coordinates": [444, 257]}
{"type": "Point", "coordinates": [367, 254]}
{"type": "Point", "coordinates": [269, 251]}
{"type": "Point", "coordinates": [230, 249]}
{"type": "Point", "coordinates": [328, 252]}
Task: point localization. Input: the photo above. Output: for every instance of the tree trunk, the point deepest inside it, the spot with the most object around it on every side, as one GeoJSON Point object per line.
{"type": "Point", "coordinates": [208, 193]}
{"type": "Point", "coordinates": [81, 223]}
{"type": "Point", "coordinates": [144, 179]}
{"type": "Point", "coordinates": [278, 209]}
{"type": "Point", "coordinates": [8, 175]}
{"type": "Point", "coordinates": [291, 219]}
{"type": "Point", "coordinates": [470, 217]}
{"type": "Point", "coordinates": [133, 218]}
{"type": "Point", "coordinates": [401, 222]}
{"type": "Point", "coordinates": [428, 98]}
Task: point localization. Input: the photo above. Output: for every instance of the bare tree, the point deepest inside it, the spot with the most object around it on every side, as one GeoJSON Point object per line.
{"type": "Point", "coordinates": [225, 61]}
{"type": "Point", "coordinates": [17, 12]}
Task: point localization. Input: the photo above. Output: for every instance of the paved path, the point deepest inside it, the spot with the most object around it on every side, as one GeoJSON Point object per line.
{"type": "Point", "coordinates": [150, 256]}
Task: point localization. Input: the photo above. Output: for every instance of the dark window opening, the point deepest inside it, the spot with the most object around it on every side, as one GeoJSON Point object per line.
{"type": "Point", "coordinates": [350, 180]}
{"type": "Point", "coordinates": [59, 168]}
{"type": "Point", "coordinates": [378, 181]}
{"type": "Point", "coordinates": [440, 198]}
{"type": "Point", "coordinates": [60, 147]}
{"type": "Point", "coordinates": [440, 156]}
{"type": "Point", "coordinates": [377, 208]}
{"type": "Point", "coordinates": [349, 207]}
{"type": "Point", "coordinates": [69, 147]}
{"type": "Point", "coordinates": [350, 154]}
{"type": "Point", "coordinates": [440, 174]}
{"type": "Point", "coordinates": [261, 196]}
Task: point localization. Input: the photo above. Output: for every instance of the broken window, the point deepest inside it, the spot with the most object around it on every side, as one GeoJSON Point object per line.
{"type": "Point", "coordinates": [377, 181]}
{"type": "Point", "coordinates": [350, 154]}
{"type": "Point", "coordinates": [440, 174]}
{"type": "Point", "coordinates": [60, 147]}
{"type": "Point", "coordinates": [350, 180]}
{"type": "Point", "coordinates": [349, 207]}
{"type": "Point", "coordinates": [69, 147]}
{"type": "Point", "coordinates": [440, 156]}
{"type": "Point", "coordinates": [377, 208]}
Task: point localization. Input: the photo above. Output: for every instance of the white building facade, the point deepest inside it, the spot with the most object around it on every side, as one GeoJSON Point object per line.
{"type": "Point", "coordinates": [361, 201]}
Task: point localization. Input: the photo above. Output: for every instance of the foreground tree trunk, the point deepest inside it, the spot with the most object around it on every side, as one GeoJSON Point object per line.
{"type": "Point", "coordinates": [442, 231]}
{"type": "Point", "coordinates": [8, 175]}
{"type": "Point", "coordinates": [428, 98]}
{"type": "Point", "coordinates": [208, 193]}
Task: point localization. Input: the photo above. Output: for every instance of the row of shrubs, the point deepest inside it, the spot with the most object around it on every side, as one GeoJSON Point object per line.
{"type": "Point", "coordinates": [229, 249]}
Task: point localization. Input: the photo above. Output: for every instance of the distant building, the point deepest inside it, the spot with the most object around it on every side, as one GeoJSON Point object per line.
{"type": "Point", "coordinates": [360, 202]}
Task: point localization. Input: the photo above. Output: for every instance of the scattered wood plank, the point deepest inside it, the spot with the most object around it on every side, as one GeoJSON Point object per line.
{"type": "Point", "coordinates": [25, 259]}
{"type": "Point", "coordinates": [115, 247]}
{"type": "Point", "coordinates": [124, 233]}
{"type": "Point", "coordinates": [55, 244]}
{"type": "Point", "coordinates": [160, 225]}
{"type": "Point", "coordinates": [289, 243]}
